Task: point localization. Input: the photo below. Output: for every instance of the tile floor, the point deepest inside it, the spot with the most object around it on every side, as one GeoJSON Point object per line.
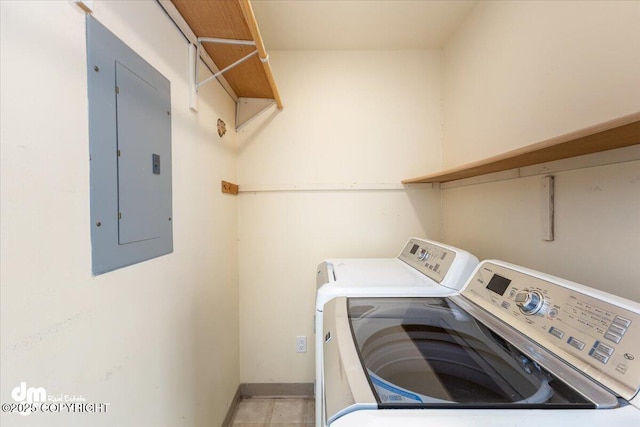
{"type": "Point", "coordinates": [285, 412]}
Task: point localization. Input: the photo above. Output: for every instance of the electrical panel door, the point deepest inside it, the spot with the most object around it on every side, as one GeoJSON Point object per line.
{"type": "Point", "coordinates": [130, 147]}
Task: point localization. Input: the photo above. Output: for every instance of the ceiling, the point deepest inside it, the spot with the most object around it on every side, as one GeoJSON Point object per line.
{"type": "Point", "coordinates": [359, 24]}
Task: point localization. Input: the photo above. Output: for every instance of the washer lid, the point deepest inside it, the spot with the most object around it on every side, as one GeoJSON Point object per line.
{"type": "Point", "coordinates": [429, 352]}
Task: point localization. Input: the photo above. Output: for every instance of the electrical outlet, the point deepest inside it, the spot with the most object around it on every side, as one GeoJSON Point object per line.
{"type": "Point", "coordinates": [301, 344]}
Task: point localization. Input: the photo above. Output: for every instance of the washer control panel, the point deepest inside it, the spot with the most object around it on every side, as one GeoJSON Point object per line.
{"type": "Point", "coordinates": [428, 258]}
{"type": "Point", "coordinates": [596, 332]}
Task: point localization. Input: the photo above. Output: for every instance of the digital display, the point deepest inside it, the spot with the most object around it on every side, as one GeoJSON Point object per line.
{"type": "Point", "coordinates": [498, 284]}
{"type": "Point", "coordinates": [414, 249]}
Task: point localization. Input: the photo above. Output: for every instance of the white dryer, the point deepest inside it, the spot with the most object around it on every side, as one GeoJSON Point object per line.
{"type": "Point", "coordinates": [513, 347]}
{"type": "Point", "coordinates": [423, 268]}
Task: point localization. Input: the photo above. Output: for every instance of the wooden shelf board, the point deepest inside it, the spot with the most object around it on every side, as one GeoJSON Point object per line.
{"type": "Point", "coordinates": [226, 19]}
{"type": "Point", "coordinates": [621, 132]}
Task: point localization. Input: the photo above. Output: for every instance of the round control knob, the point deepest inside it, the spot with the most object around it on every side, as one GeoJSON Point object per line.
{"type": "Point", "coordinates": [423, 254]}
{"type": "Point", "coordinates": [529, 302]}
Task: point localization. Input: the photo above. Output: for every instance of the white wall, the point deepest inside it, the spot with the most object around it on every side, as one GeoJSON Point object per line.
{"type": "Point", "coordinates": [157, 340]}
{"type": "Point", "coordinates": [597, 233]}
{"type": "Point", "coordinates": [522, 72]}
{"type": "Point", "coordinates": [359, 117]}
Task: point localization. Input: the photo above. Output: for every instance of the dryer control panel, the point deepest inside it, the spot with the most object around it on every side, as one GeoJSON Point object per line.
{"type": "Point", "coordinates": [428, 258]}
{"type": "Point", "coordinates": [598, 333]}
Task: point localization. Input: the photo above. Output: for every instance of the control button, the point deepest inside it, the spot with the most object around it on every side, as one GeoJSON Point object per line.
{"type": "Point", "coordinates": [576, 343]}
{"type": "Point", "coordinates": [599, 356]}
{"type": "Point", "coordinates": [603, 348]}
{"type": "Point", "coordinates": [617, 329]}
{"type": "Point", "coordinates": [512, 293]}
{"type": "Point", "coordinates": [444, 254]}
{"type": "Point", "coordinates": [612, 337]}
{"type": "Point", "coordinates": [622, 368]}
{"type": "Point", "coordinates": [556, 332]}
{"type": "Point", "coordinates": [505, 305]}
{"type": "Point", "coordinates": [625, 323]}
{"type": "Point", "coordinates": [553, 313]}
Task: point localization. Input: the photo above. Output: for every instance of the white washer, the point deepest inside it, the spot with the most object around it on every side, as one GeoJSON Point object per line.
{"type": "Point", "coordinates": [513, 347]}
{"type": "Point", "coordinates": [423, 268]}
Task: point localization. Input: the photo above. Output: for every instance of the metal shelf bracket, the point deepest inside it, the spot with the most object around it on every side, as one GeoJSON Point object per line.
{"type": "Point", "coordinates": [224, 70]}
{"type": "Point", "coordinates": [246, 108]}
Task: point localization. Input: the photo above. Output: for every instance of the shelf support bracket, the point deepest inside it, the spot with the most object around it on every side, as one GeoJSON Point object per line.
{"type": "Point", "coordinates": [246, 108]}
{"type": "Point", "coordinates": [224, 70]}
{"type": "Point", "coordinates": [202, 40]}
{"type": "Point", "coordinates": [548, 200]}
